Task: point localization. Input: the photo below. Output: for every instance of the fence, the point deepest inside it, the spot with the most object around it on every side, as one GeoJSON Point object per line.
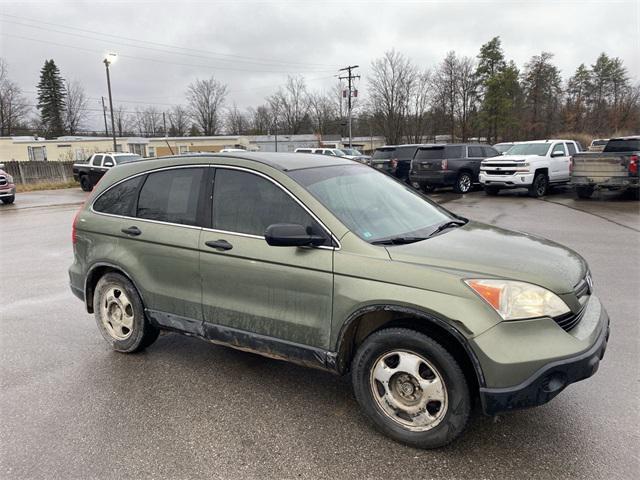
{"type": "Point", "coordinates": [39, 171]}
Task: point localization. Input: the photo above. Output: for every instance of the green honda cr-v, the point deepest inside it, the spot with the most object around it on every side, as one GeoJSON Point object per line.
{"type": "Point", "coordinates": [328, 263]}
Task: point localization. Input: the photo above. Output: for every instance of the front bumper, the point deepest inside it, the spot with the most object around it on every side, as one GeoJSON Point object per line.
{"type": "Point", "coordinates": [7, 190]}
{"type": "Point", "coordinates": [549, 380]}
{"type": "Point", "coordinates": [506, 181]}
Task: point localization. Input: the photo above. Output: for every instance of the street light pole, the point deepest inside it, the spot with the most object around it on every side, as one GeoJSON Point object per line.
{"type": "Point", "coordinates": [113, 123]}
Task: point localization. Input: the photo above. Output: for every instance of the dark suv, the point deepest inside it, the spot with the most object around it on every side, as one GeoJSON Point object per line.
{"type": "Point", "coordinates": [394, 160]}
{"type": "Point", "coordinates": [455, 165]}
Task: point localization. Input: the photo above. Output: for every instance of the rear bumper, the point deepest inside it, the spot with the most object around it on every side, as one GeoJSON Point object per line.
{"type": "Point", "coordinates": [440, 178]}
{"type": "Point", "coordinates": [549, 380]}
{"type": "Point", "coordinates": [611, 182]}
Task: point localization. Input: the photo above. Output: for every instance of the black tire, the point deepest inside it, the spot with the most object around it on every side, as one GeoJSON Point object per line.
{"type": "Point", "coordinates": [426, 188]}
{"type": "Point", "coordinates": [85, 183]}
{"type": "Point", "coordinates": [464, 182]}
{"type": "Point", "coordinates": [540, 185]}
{"type": "Point", "coordinates": [491, 191]}
{"type": "Point", "coordinates": [142, 333]}
{"type": "Point", "coordinates": [584, 192]}
{"type": "Point", "coordinates": [454, 418]}
{"type": "Point", "coordinates": [635, 193]}
{"type": "Point", "coordinates": [9, 200]}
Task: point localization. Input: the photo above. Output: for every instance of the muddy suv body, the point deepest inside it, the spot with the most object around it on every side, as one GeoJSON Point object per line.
{"type": "Point", "coordinates": [307, 260]}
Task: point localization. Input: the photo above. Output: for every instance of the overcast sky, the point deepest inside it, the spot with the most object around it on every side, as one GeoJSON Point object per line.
{"type": "Point", "coordinates": [252, 45]}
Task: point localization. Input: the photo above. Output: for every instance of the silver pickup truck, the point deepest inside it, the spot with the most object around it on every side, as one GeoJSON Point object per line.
{"type": "Point", "coordinates": [616, 168]}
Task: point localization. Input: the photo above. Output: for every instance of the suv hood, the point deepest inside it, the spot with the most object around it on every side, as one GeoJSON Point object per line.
{"type": "Point", "coordinates": [479, 250]}
{"type": "Point", "coordinates": [510, 158]}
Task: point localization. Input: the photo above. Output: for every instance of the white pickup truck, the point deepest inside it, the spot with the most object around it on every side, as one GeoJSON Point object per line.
{"type": "Point", "coordinates": [533, 165]}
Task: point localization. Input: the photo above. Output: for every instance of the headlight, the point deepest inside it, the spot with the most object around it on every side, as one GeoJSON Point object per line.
{"type": "Point", "coordinates": [518, 300]}
{"type": "Point", "coordinates": [9, 178]}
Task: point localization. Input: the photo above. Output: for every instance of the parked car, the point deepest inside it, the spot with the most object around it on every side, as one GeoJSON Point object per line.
{"type": "Point", "coordinates": [395, 160]}
{"type": "Point", "coordinates": [355, 154]}
{"type": "Point", "coordinates": [616, 168]}
{"type": "Point", "coordinates": [503, 147]}
{"type": "Point", "coordinates": [89, 172]}
{"type": "Point", "coordinates": [332, 264]}
{"type": "Point", "coordinates": [333, 152]}
{"type": "Point", "coordinates": [598, 144]}
{"type": "Point", "coordinates": [533, 165]}
{"type": "Point", "coordinates": [455, 165]}
{"type": "Point", "coordinates": [7, 187]}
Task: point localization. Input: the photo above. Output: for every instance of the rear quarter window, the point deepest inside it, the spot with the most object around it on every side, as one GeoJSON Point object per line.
{"type": "Point", "coordinates": [119, 199]}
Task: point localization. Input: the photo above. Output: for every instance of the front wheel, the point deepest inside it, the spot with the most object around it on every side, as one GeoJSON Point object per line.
{"type": "Point", "coordinates": [463, 183]}
{"type": "Point", "coordinates": [491, 191]}
{"type": "Point", "coordinates": [8, 200]}
{"type": "Point", "coordinates": [411, 388]}
{"type": "Point", "coordinates": [120, 315]}
{"type": "Point", "coordinates": [539, 186]}
{"type": "Point", "coordinates": [85, 183]}
{"type": "Point", "coordinates": [584, 192]}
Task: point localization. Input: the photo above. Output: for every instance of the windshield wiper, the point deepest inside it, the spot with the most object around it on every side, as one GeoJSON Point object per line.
{"type": "Point", "coordinates": [445, 225]}
{"type": "Point", "coordinates": [398, 240]}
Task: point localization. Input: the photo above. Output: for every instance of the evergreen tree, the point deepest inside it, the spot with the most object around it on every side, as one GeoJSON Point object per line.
{"type": "Point", "coordinates": [51, 99]}
{"type": "Point", "coordinates": [542, 87]}
{"type": "Point", "coordinates": [578, 94]}
{"type": "Point", "coordinates": [491, 66]}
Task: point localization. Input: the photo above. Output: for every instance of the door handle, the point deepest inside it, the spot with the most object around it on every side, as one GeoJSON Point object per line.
{"type": "Point", "coordinates": [133, 231]}
{"type": "Point", "coordinates": [219, 244]}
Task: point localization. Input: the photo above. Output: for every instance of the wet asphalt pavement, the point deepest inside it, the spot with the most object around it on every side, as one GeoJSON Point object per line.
{"type": "Point", "coordinates": [71, 408]}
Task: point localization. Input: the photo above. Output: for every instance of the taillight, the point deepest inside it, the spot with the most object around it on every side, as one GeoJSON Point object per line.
{"type": "Point", "coordinates": [443, 164]}
{"type": "Point", "coordinates": [633, 164]}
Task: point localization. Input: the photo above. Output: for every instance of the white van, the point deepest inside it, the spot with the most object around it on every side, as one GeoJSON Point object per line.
{"type": "Point", "coordinates": [334, 152]}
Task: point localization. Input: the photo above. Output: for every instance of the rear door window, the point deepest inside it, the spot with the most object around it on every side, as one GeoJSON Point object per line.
{"type": "Point", "coordinates": [475, 152]}
{"type": "Point", "coordinates": [571, 147]}
{"type": "Point", "coordinates": [120, 199]}
{"type": "Point", "coordinates": [171, 196]}
{"type": "Point", "coordinates": [454, 151]}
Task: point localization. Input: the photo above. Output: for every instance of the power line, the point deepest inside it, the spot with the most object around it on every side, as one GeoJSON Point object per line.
{"type": "Point", "coordinates": [135, 57]}
{"type": "Point", "coordinates": [349, 77]}
{"type": "Point", "coordinates": [232, 57]}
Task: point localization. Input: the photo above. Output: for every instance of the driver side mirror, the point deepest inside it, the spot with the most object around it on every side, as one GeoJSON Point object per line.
{"type": "Point", "coordinates": [558, 153]}
{"type": "Point", "coordinates": [292, 235]}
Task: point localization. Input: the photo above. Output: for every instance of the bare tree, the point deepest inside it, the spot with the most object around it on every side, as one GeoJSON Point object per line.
{"type": "Point", "coordinates": [122, 119]}
{"type": "Point", "coordinates": [178, 121]}
{"type": "Point", "coordinates": [446, 86]}
{"type": "Point", "coordinates": [467, 97]}
{"type": "Point", "coordinates": [391, 84]}
{"type": "Point", "coordinates": [420, 103]}
{"type": "Point", "coordinates": [323, 111]}
{"type": "Point", "coordinates": [237, 123]}
{"type": "Point", "coordinates": [13, 106]}
{"type": "Point", "coordinates": [206, 98]}
{"type": "Point", "coordinates": [149, 122]}
{"type": "Point", "coordinates": [291, 104]}
{"type": "Point", "coordinates": [261, 120]}
{"type": "Point", "coordinates": [75, 112]}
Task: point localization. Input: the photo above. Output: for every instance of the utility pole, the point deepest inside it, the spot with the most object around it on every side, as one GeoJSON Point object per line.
{"type": "Point", "coordinates": [164, 123]}
{"type": "Point", "coordinates": [350, 94]}
{"type": "Point", "coordinates": [104, 114]}
{"type": "Point", "coordinates": [107, 61]}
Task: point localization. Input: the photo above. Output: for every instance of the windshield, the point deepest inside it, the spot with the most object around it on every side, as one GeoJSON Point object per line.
{"type": "Point", "coordinates": [126, 158]}
{"type": "Point", "coordinates": [351, 151]}
{"type": "Point", "coordinates": [503, 148]}
{"type": "Point", "coordinates": [383, 153]}
{"type": "Point", "coordinates": [539, 149]}
{"type": "Point", "coordinates": [371, 204]}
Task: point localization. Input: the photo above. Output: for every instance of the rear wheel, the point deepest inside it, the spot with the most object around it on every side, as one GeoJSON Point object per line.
{"type": "Point", "coordinates": [491, 191]}
{"type": "Point", "coordinates": [8, 200]}
{"type": "Point", "coordinates": [539, 186]}
{"type": "Point", "coordinates": [411, 388]}
{"type": "Point", "coordinates": [85, 183]}
{"type": "Point", "coordinates": [584, 192]}
{"type": "Point", "coordinates": [120, 315]}
{"type": "Point", "coordinates": [463, 183]}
